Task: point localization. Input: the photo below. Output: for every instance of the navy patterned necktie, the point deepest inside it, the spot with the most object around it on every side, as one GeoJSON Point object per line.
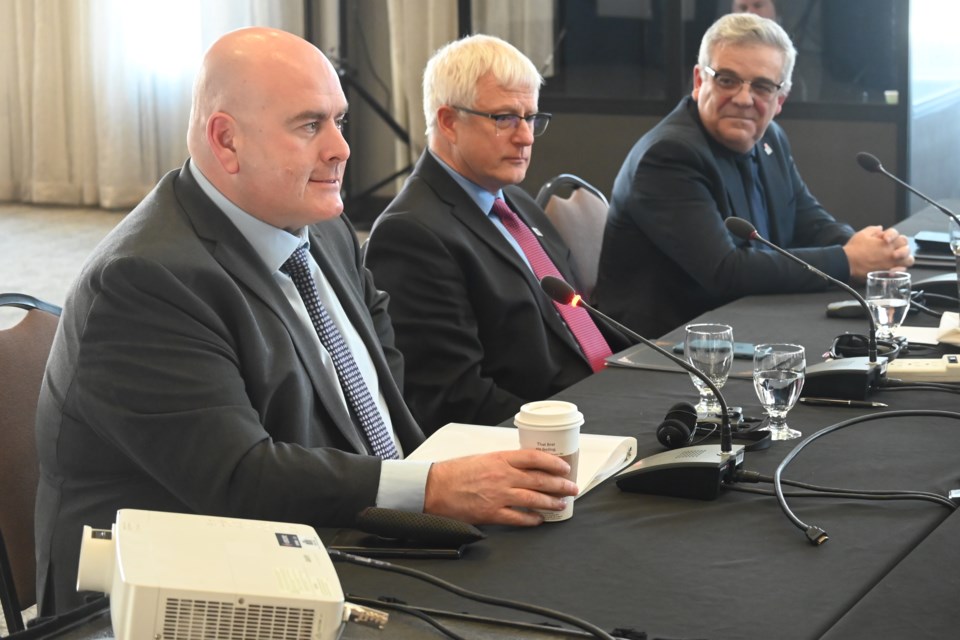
{"type": "Point", "coordinates": [354, 388]}
{"type": "Point", "coordinates": [750, 172]}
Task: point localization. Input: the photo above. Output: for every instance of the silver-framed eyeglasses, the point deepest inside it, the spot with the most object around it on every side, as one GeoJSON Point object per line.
{"type": "Point", "coordinates": [730, 83]}
{"type": "Point", "coordinates": [508, 121]}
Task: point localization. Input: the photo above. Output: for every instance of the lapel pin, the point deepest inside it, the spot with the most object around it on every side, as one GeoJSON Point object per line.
{"type": "Point", "coordinates": [766, 148]}
{"type": "Point", "coordinates": [536, 231]}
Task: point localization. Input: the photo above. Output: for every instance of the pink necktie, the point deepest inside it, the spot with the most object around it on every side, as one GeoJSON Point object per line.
{"type": "Point", "coordinates": [594, 347]}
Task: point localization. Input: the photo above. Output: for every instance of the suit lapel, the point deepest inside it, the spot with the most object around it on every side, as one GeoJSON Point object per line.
{"type": "Point", "coordinates": [466, 211]}
{"type": "Point", "coordinates": [229, 248]}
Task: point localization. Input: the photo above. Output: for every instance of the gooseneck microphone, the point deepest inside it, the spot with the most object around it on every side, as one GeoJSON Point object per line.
{"type": "Point", "coordinates": [746, 231]}
{"type": "Point", "coordinates": [561, 291]}
{"type": "Point", "coordinates": [872, 164]}
{"type": "Point", "coordinates": [840, 379]}
{"type": "Point", "coordinates": [690, 472]}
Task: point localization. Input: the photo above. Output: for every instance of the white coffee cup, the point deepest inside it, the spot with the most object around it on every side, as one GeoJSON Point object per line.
{"type": "Point", "coordinates": [552, 426]}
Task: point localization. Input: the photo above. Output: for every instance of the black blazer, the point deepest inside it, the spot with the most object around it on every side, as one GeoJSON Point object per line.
{"type": "Point", "coordinates": [180, 379]}
{"type": "Point", "coordinates": [667, 256]}
{"type": "Point", "coordinates": [478, 336]}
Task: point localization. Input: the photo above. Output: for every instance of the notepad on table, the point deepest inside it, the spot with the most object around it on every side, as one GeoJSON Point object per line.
{"type": "Point", "coordinates": [601, 456]}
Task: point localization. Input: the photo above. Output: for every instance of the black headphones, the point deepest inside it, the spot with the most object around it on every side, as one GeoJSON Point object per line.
{"type": "Point", "coordinates": [680, 428]}
{"type": "Point", "coordinates": [852, 345]}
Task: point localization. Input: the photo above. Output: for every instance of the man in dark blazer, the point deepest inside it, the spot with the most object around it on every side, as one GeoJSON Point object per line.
{"type": "Point", "coordinates": [667, 256]}
{"type": "Point", "coordinates": [187, 374]}
{"type": "Point", "coordinates": [478, 335]}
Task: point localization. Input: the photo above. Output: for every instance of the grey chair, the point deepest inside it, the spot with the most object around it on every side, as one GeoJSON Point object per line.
{"type": "Point", "coordinates": [23, 356]}
{"type": "Point", "coordinates": [580, 219]}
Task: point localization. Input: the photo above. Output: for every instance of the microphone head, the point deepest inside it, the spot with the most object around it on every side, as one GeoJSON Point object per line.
{"type": "Point", "coordinates": [558, 290]}
{"type": "Point", "coordinates": [869, 162]}
{"type": "Point", "coordinates": [740, 228]}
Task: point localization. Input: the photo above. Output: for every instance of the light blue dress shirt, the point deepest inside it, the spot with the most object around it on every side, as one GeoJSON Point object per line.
{"type": "Point", "coordinates": [485, 200]}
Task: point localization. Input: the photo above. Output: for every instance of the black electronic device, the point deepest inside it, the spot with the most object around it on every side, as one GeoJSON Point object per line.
{"type": "Point", "coordinates": [852, 378]}
{"type": "Point", "coordinates": [691, 472]}
{"type": "Point", "coordinates": [933, 242]}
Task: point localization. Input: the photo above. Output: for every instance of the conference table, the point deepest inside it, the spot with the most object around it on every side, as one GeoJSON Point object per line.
{"type": "Point", "coordinates": [734, 567]}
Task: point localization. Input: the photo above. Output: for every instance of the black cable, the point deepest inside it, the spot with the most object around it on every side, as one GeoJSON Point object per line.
{"type": "Point", "coordinates": [474, 618]}
{"type": "Point", "coordinates": [916, 305]}
{"type": "Point", "coordinates": [336, 555]}
{"type": "Point", "coordinates": [753, 476]}
{"type": "Point", "coordinates": [917, 386]}
{"type": "Point", "coordinates": [815, 534]}
{"type": "Point", "coordinates": [814, 493]}
{"type": "Point", "coordinates": [410, 611]}
{"type": "Point", "coordinates": [940, 296]}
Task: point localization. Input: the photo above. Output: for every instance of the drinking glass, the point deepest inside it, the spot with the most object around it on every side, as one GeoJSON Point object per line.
{"type": "Point", "coordinates": [888, 296]}
{"type": "Point", "coordinates": [709, 348]}
{"type": "Point", "coordinates": [778, 373]}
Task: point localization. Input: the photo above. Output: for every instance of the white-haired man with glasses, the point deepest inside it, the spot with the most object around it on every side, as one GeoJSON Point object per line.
{"type": "Point", "coordinates": [461, 250]}
{"type": "Point", "coordinates": [667, 256]}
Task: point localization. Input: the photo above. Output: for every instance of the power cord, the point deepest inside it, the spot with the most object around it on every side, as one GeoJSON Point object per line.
{"type": "Point", "coordinates": [815, 491]}
{"type": "Point", "coordinates": [429, 615]}
{"type": "Point", "coordinates": [815, 534]}
{"type": "Point", "coordinates": [894, 384]}
{"type": "Point", "coordinates": [339, 556]}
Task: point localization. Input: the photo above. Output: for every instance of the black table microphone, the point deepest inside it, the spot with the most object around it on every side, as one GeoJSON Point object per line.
{"type": "Point", "coordinates": [690, 472]}
{"type": "Point", "coordinates": [846, 378]}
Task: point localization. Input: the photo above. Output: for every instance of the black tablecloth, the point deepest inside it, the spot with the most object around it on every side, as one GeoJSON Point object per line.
{"type": "Point", "coordinates": [734, 567]}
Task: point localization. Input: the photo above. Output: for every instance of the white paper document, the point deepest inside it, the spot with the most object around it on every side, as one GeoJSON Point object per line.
{"type": "Point", "coordinates": [600, 456]}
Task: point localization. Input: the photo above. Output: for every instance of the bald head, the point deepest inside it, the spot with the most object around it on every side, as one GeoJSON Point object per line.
{"type": "Point", "coordinates": [265, 127]}
{"type": "Point", "coordinates": [241, 72]}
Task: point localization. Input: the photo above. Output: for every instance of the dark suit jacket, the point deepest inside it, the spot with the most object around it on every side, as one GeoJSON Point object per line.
{"type": "Point", "coordinates": [667, 256]}
{"type": "Point", "coordinates": [181, 380]}
{"type": "Point", "coordinates": [478, 336]}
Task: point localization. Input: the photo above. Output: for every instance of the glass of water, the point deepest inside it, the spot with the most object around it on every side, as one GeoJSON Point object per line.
{"type": "Point", "coordinates": [778, 373]}
{"type": "Point", "coordinates": [709, 348]}
{"type": "Point", "coordinates": [888, 296]}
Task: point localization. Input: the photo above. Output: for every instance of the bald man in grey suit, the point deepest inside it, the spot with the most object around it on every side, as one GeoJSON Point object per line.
{"type": "Point", "coordinates": [187, 374]}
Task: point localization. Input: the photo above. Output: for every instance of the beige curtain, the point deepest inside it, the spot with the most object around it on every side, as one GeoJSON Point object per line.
{"type": "Point", "coordinates": [94, 94]}
{"type": "Point", "coordinates": [419, 27]}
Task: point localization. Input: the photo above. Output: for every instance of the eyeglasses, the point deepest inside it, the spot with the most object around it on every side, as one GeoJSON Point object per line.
{"type": "Point", "coordinates": [503, 121]}
{"type": "Point", "coordinates": [729, 83]}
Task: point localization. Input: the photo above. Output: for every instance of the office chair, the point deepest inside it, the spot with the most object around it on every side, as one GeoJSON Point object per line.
{"type": "Point", "coordinates": [580, 219]}
{"type": "Point", "coordinates": [23, 355]}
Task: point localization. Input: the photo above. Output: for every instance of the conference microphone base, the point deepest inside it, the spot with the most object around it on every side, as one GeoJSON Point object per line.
{"type": "Point", "coordinates": [844, 378]}
{"type": "Point", "coordinates": [690, 472]}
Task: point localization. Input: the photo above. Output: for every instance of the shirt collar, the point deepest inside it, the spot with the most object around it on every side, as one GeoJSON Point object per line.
{"type": "Point", "coordinates": [483, 198]}
{"type": "Point", "coordinates": [272, 244]}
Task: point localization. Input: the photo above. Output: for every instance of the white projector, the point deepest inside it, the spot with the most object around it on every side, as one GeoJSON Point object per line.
{"type": "Point", "coordinates": [173, 576]}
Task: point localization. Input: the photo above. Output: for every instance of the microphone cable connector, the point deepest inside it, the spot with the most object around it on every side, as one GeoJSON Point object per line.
{"type": "Point", "coordinates": [365, 616]}
{"type": "Point", "coordinates": [743, 475]}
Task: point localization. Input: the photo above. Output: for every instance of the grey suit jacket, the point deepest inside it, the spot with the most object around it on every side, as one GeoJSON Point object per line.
{"type": "Point", "coordinates": [181, 380]}
{"type": "Point", "coordinates": [667, 256]}
{"type": "Point", "coordinates": [478, 335]}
